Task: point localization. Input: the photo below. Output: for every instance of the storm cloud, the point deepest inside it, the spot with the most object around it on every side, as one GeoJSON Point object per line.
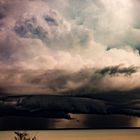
{"type": "Point", "coordinates": [48, 49]}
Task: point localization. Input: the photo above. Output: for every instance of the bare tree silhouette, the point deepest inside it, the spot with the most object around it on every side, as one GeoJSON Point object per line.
{"type": "Point", "coordinates": [23, 136]}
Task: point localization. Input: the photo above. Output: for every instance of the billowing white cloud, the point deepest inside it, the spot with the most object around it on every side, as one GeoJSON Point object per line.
{"type": "Point", "coordinates": [111, 20]}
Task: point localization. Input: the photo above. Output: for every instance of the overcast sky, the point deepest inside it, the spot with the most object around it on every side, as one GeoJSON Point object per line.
{"type": "Point", "coordinates": [53, 46]}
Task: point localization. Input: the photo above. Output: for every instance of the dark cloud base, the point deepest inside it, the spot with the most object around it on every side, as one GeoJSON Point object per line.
{"type": "Point", "coordinates": [45, 109]}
